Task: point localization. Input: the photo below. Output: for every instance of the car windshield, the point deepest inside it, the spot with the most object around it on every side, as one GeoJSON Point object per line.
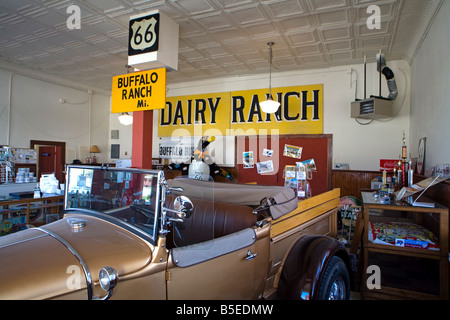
{"type": "Point", "coordinates": [130, 195]}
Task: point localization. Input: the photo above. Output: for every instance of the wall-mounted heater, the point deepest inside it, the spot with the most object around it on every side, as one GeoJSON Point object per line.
{"type": "Point", "coordinates": [376, 107]}
{"type": "Point", "coordinates": [372, 108]}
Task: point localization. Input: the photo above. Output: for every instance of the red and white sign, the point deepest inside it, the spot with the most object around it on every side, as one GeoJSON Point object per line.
{"type": "Point", "coordinates": [388, 164]}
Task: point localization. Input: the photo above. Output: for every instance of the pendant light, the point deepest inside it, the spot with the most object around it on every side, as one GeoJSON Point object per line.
{"type": "Point", "coordinates": [125, 118]}
{"type": "Point", "coordinates": [270, 106]}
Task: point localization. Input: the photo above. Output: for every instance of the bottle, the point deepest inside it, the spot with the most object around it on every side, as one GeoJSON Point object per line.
{"type": "Point", "coordinates": [301, 190]}
{"type": "Point", "coordinates": [36, 192]}
{"type": "Point", "coordinates": [410, 174]}
{"type": "Point", "coordinates": [394, 177]}
{"type": "Point", "coordinates": [308, 190]}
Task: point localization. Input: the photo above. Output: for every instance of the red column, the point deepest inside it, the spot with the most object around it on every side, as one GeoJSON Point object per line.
{"type": "Point", "coordinates": [141, 155]}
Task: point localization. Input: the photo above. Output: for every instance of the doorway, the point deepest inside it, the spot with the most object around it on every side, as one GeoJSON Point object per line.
{"type": "Point", "coordinates": [51, 157]}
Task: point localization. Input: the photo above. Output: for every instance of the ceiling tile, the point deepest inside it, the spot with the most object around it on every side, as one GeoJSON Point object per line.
{"type": "Point", "coordinates": [214, 21]}
{"type": "Point", "coordinates": [345, 45]}
{"type": "Point", "coordinates": [314, 59]}
{"type": "Point", "coordinates": [194, 7]}
{"type": "Point", "coordinates": [302, 38]}
{"type": "Point", "coordinates": [247, 15]}
{"type": "Point", "coordinates": [216, 38]}
{"type": "Point", "coordinates": [341, 56]}
{"type": "Point", "coordinates": [284, 9]}
{"type": "Point", "coordinates": [318, 5]}
{"type": "Point", "coordinates": [295, 24]}
{"type": "Point", "coordinates": [333, 18]}
{"type": "Point", "coordinates": [308, 49]}
{"type": "Point", "coordinates": [336, 33]}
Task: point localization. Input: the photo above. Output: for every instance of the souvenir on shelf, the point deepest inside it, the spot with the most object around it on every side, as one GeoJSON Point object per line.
{"type": "Point", "coordinates": [296, 177]}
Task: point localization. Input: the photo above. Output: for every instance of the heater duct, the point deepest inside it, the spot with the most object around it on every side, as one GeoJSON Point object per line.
{"type": "Point", "coordinates": [392, 85]}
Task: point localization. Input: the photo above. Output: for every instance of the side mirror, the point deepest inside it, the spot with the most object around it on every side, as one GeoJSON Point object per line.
{"type": "Point", "coordinates": [183, 207]}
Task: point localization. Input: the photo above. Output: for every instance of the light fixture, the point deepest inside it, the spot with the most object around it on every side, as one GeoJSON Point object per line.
{"type": "Point", "coordinates": [125, 119]}
{"type": "Point", "coordinates": [270, 106]}
{"type": "Point", "coordinates": [94, 150]}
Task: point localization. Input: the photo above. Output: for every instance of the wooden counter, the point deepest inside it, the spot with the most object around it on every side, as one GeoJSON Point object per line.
{"type": "Point", "coordinates": [402, 213]}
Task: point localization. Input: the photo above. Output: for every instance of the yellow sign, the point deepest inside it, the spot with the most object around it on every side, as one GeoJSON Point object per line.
{"type": "Point", "coordinates": [239, 113]}
{"type": "Point", "coordinates": [205, 114]}
{"type": "Point", "coordinates": [300, 112]}
{"type": "Point", "coordinates": [139, 91]}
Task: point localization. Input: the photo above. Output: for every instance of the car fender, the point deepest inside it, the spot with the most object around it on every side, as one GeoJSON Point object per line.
{"type": "Point", "coordinates": [305, 264]}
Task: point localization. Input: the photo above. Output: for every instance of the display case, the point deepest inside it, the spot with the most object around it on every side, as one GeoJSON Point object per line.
{"type": "Point", "coordinates": [15, 213]}
{"type": "Point", "coordinates": [406, 235]}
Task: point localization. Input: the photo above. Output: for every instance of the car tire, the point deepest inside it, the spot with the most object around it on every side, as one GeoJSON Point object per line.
{"type": "Point", "coordinates": [335, 284]}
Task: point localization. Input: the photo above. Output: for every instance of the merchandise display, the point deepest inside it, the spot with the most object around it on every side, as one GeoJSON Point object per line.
{"type": "Point", "coordinates": [400, 234]}
{"type": "Point", "coordinates": [296, 177]}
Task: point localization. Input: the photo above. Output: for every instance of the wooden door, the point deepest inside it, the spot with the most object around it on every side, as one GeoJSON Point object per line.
{"type": "Point", "coordinates": [54, 157]}
{"type": "Point", "coordinates": [46, 161]}
{"type": "Point", "coordinates": [49, 161]}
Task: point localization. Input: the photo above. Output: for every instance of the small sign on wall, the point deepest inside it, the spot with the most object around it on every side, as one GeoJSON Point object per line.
{"type": "Point", "coordinates": [388, 164]}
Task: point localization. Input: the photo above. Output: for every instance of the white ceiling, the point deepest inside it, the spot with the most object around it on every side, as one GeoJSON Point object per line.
{"type": "Point", "coordinates": [218, 38]}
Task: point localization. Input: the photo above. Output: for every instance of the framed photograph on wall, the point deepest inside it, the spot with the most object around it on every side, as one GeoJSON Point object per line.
{"type": "Point", "coordinates": [421, 156]}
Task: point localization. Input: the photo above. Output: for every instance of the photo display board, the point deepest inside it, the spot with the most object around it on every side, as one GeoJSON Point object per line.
{"type": "Point", "coordinates": [254, 154]}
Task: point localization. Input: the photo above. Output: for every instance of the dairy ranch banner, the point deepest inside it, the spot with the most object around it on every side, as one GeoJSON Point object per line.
{"type": "Point", "coordinates": [238, 113]}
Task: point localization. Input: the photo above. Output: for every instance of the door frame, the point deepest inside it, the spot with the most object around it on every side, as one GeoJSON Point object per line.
{"type": "Point", "coordinates": [34, 143]}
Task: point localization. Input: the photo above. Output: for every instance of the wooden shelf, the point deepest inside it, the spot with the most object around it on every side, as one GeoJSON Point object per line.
{"type": "Point", "coordinates": [54, 204]}
{"type": "Point", "coordinates": [416, 214]}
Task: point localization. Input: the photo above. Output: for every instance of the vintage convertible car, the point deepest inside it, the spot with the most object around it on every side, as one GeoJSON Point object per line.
{"type": "Point", "coordinates": [130, 234]}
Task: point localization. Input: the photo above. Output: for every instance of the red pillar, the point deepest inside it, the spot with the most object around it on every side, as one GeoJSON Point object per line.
{"type": "Point", "coordinates": [141, 155]}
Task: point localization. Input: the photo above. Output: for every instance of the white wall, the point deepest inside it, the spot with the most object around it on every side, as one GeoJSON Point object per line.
{"type": "Point", "coordinates": [361, 146]}
{"type": "Point", "coordinates": [125, 136]}
{"type": "Point", "coordinates": [36, 112]}
{"type": "Point", "coordinates": [430, 107]}
{"type": "Point", "coordinates": [30, 109]}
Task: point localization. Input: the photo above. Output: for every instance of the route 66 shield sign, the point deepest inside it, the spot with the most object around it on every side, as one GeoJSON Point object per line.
{"type": "Point", "coordinates": [144, 34]}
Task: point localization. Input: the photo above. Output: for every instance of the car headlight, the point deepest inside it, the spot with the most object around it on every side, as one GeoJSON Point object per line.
{"type": "Point", "coordinates": [108, 277]}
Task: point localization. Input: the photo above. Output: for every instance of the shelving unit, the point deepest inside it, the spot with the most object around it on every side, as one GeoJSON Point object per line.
{"type": "Point", "coordinates": [52, 204]}
{"type": "Point", "coordinates": [374, 211]}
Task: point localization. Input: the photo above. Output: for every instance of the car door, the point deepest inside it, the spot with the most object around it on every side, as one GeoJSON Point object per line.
{"type": "Point", "coordinates": [231, 267]}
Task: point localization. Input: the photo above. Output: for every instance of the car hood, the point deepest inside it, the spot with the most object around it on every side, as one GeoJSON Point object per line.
{"type": "Point", "coordinates": [41, 263]}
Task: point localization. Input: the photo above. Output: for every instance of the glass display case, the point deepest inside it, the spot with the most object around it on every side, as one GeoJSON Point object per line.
{"type": "Point", "coordinates": [408, 236]}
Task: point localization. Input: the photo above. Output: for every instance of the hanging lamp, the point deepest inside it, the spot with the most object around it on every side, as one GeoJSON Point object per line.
{"type": "Point", "coordinates": [270, 106]}
{"type": "Point", "coordinates": [125, 118]}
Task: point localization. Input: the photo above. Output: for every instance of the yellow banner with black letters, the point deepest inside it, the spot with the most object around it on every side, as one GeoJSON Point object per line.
{"type": "Point", "coordinates": [239, 113]}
